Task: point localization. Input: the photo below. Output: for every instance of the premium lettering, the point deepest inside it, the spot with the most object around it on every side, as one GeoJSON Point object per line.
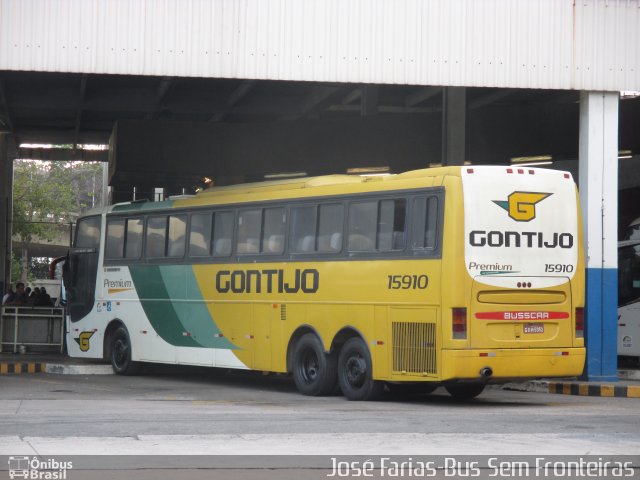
{"type": "Point", "coordinates": [268, 281]}
{"type": "Point", "coordinates": [117, 283]}
{"type": "Point", "coordinates": [482, 238]}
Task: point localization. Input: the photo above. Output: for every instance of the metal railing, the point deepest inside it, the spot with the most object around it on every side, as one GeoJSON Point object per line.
{"type": "Point", "coordinates": [31, 327]}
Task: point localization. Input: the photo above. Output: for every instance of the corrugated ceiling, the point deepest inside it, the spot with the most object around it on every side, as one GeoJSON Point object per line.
{"type": "Point", "coordinates": [549, 44]}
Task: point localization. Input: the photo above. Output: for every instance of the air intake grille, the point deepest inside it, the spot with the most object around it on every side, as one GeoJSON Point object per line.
{"type": "Point", "coordinates": [414, 347]}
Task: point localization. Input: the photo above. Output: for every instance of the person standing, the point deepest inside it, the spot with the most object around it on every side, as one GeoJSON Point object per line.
{"type": "Point", "coordinates": [10, 293]}
{"type": "Point", "coordinates": [19, 297]}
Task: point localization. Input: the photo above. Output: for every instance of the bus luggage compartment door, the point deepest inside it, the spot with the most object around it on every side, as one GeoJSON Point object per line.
{"type": "Point", "coordinates": [521, 313]}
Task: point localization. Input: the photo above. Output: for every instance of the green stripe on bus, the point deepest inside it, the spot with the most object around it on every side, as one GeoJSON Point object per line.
{"type": "Point", "coordinates": [158, 307]}
{"type": "Point", "coordinates": [181, 282]}
{"type": "Point", "coordinates": [163, 295]}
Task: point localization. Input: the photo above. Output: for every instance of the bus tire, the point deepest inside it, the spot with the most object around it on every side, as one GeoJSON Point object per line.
{"type": "Point", "coordinates": [121, 353]}
{"type": "Point", "coordinates": [355, 372]}
{"type": "Point", "coordinates": [314, 371]}
{"type": "Point", "coordinates": [465, 392]}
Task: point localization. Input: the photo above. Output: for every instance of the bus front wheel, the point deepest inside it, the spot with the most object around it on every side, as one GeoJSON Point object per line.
{"type": "Point", "coordinates": [355, 372]}
{"type": "Point", "coordinates": [464, 392]}
{"type": "Point", "coordinates": [121, 354]}
{"type": "Point", "coordinates": [314, 371]}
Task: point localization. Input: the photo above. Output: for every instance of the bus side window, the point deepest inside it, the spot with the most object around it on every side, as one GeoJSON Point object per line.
{"type": "Point", "coordinates": [115, 238]}
{"type": "Point", "coordinates": [133, 238]}
{"type": "Point", "coordinates": [391, 225]}
{"type": "Point", "coordinates": [222, 234]}
{"type": "Point", "coordinates": [156, 236]}
{"type": "Point", "coordinates": [249, 226]}
{"type": "Point", "coordinates": [200, 234]}
{"type": "Point", "coordinates": [362, 226]}
{"type": "Point", "coordinates": [424, 223]}
{"type": "Point", "coordinates": [273, 230]}
{"type": "Point", "coordinates": [88, 233]}
{"type": "Point", "coordinates": [330, 222]}
{"type": "Point", "coordinates": [303, 229]}
{"type": "Point", "coordinates": [176, 242]}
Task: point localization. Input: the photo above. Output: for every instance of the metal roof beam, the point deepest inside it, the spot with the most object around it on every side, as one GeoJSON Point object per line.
{"type": "Point", "coordinates": [236, 96]}
{"type": "Point", "coordinates": [489, 98]}
{"type": "Point", "coordinates": [352, 96]}
{"type": "Point", "coordinates": [320, 98]}
{"type": "Point", "coordinates": [385, 109]}
{"type": "Point", "coordinates": [63, 154]}
{"type": "Point", "coordinates": [58, 136]}
{"type": "Point", "coordinates": [421, 95]}
{"type": "Point", "coordinates": [164, 86]}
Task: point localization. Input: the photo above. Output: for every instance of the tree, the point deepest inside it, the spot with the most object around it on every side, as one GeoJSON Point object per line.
{"type": "Point", "coordinates": [47, 195]}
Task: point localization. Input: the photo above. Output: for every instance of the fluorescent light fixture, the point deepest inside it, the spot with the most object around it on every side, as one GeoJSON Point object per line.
{"type": "Point", "coordinates": [367, 170]}
{"type": "Point", "coordinates": [629, 94]}
{"type": "Point", "coordinates": [283, 175]}
{"type": "Point", "coordinates": [534, 158]}
{"type": "Point", "coordinates": [81, 146]}
{"type": "Point", "coordinates": [534, 164]}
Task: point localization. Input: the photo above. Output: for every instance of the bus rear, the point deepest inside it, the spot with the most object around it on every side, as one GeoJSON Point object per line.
{"type": "Point", "coordinates": [520, 312]}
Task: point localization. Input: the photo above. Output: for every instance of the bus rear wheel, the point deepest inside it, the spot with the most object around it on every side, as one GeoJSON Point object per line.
{"type": "Point", "coordinates": [355, 372]}
{"type": "Point", "coordinates": [121, 353]}
{"type": "Point", "coordinates": [314, 371]}
{"type": "Point", "coordinates": [464, 392]}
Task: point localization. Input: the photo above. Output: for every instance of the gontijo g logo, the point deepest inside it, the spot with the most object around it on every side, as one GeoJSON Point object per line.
{"type": "Point", "coordinates": [521, 206]}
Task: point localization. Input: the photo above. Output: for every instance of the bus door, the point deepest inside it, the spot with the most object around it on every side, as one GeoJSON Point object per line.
{"type": "Point", "coordinates": [81, 268]}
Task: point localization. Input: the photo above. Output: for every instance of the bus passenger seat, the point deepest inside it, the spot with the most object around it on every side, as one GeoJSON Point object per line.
{"type": "Point", "coordinates": [336, 242]}
{"type": "Point", "coordinates": [222, 246]}
{"type": "Point", "coordinates": [360, 243]}
{"type": "Point", "coordinates": [275, 244]}
{"type": "Point", "coordinates": [250, 245]}
{"type": "Point", "coordinates": [307, 244]}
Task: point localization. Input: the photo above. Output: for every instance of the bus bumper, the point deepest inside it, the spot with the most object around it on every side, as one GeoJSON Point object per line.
{"type": "Point", "coordinates": [506, 364]}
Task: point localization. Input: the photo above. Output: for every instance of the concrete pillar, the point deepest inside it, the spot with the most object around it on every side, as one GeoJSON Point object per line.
{"type": "Point", "coordinates": [454, 112]}
{"type": "Point", "coordinates": [598, 183]}
{"type": "Point", "coordinates": [6, 188]}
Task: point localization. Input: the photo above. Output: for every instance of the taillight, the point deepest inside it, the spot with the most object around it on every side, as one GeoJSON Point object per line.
{"type": "Point", "coordinates": [459, 322]}
{"type": "Point", "coordinates": [579, 322]}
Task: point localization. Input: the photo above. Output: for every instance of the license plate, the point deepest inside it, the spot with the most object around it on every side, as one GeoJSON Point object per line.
{"type": "Point", "coordinates": [534, 328]}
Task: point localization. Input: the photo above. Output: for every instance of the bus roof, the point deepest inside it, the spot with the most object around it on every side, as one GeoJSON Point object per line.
{"type": "Point", "coordinates": [327, 180]}
{"type": "Point", "coordinates": [287, 188]}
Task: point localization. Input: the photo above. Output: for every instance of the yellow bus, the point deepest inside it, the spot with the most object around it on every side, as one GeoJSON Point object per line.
{"type": "Point", "coordinates": [453, 277]}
